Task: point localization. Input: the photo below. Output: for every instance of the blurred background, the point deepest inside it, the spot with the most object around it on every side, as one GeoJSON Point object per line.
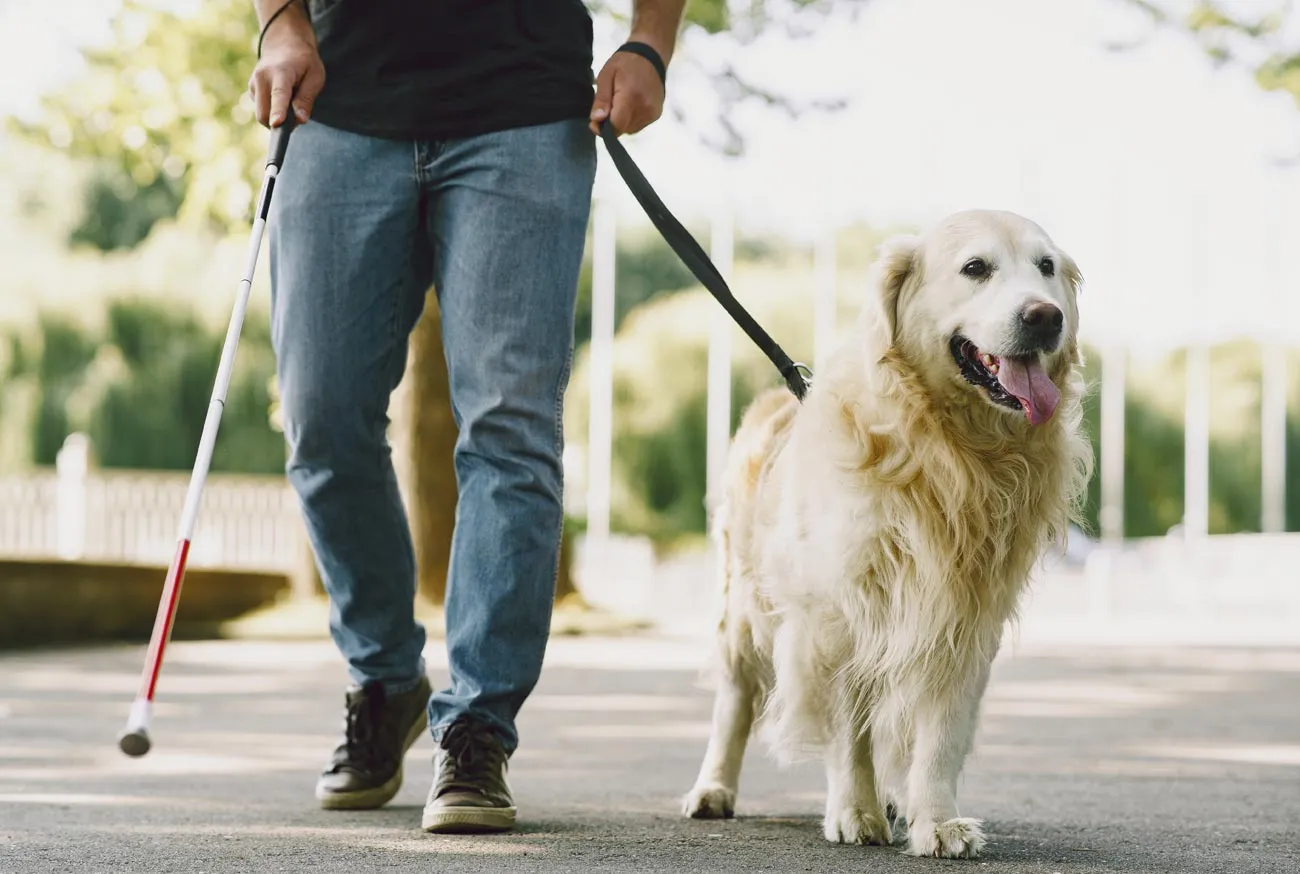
{"type": "Point", "coordinates": [1155, 141]}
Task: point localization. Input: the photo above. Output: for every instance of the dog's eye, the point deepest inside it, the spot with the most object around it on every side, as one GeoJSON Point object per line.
{"type": "Point", "coordinates": [1047, 266]}
{"type": "Point", "coordinates": [976, 268]}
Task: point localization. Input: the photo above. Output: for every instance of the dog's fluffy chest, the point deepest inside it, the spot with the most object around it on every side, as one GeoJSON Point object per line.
{"type": "Point", "coordinates": [934, 533]}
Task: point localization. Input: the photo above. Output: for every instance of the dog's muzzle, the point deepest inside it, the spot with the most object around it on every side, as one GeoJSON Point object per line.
{"type": "Point", "coordinates": [1038, 328]}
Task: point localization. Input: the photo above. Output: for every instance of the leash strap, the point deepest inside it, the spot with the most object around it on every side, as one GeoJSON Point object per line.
{"type": "Point", "coordinates": [699, 263]}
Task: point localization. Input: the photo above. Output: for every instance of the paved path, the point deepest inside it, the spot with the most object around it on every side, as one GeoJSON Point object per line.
{"type": "Point", "coordinates": [1164, 761]}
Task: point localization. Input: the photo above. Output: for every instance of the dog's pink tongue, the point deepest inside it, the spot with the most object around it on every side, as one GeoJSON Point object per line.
{"type": "Point", "coordinates": [1025, 379]}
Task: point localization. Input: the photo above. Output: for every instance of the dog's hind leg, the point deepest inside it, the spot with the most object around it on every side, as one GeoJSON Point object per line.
{"type": "Point", "coordinates": [714, 793]}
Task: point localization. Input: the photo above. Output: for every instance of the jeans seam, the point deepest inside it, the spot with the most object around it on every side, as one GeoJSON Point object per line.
{"type": "Point", "coordinates": [560, 390]}
{"type": "Point", "coordinates": [415, 163]}
{"type": "Point", "coordinates": [558, 449]}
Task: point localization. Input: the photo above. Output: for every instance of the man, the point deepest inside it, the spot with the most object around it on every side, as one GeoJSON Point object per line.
{"type": "Point", "coordinates": [450, 144]}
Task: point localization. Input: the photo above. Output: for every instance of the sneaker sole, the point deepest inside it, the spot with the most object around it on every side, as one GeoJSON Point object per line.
{"type": "Point", "coordinates": [377, 796]}
{"type": "Point", "coordinates": [467, 820]}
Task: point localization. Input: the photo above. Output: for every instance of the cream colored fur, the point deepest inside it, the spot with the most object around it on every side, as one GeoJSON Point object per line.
{"type": "Point", "coordinates": [875, 540]}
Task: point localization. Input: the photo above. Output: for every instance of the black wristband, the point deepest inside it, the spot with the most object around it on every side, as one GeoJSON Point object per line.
{"type": "Point", "coordinates": [274, 16]}
{"type": "Point", "coordinates": [647, 52]}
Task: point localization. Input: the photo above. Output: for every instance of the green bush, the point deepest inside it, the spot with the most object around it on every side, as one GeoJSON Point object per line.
{"type": "Point", "coordinates": [139, 381]}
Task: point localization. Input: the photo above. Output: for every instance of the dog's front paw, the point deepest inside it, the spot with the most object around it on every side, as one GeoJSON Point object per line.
{"type": "Point", "coordinates": [853, 825]}
{"type": "Point", "coordinates": [960, 838]}
{"type": "Point", "coordinates": [710, 802]}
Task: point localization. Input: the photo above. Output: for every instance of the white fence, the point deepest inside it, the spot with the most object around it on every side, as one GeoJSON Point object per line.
{"type": "Point", "coordinates": [1242, 585]}
{"type": "Point", "coordinates": [77, 513]}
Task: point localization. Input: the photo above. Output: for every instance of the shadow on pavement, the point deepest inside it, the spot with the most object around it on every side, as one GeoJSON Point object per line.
{"type": "Point", "coordinates": [1088, 760]}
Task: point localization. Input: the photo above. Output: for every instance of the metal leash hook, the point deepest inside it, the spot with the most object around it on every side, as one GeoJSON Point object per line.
{"type": "Point", "coordinates": [805, 376]}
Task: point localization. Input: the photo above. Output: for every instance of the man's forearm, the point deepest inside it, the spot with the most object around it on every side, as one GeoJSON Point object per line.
{"type": "Point", "coordinates": [294, 18]}
{"type": "Point", "coordinates": [267, 8]}
{"type": "Point", "coordinates": [656, 22]}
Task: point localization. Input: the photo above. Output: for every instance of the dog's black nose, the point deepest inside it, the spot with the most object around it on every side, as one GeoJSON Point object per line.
{"type": "Point", "coordinates": [1042, 323]}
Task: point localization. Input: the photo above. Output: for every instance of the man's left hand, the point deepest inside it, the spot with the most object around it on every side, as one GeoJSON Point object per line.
{"type": "Point", "coordinates": [628, 91]}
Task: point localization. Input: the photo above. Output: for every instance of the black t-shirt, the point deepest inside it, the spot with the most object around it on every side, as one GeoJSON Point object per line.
{"type": "Point", "coordinates": [440, 69]}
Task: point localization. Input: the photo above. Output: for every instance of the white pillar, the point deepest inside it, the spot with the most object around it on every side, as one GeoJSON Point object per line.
{"type": "Point", "coordinates": [1196, 411]}
{"type": "Point", "coordinates": [1111, 466]}
{"type": "Point", "coordinates": [600, 433]}
{"type": "Point", "coordinates": [1102, 563]}
{"type": "Point", "coordinates": [1196, 446]}
{"type": "Point", "coordinates": [824, 299]}
{"type": "Point", "coordinates": [1279, 229]}
{"type": "Point", "coordinates": [1272, 429]}
{"type": "Point", "coordinates": [718, 423]}
{"type": "Point", "coordinates": [72, 466]}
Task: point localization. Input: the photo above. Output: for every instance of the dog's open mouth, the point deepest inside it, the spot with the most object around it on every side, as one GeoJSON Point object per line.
{"type": "Point", "coordinates": [1015, 382]}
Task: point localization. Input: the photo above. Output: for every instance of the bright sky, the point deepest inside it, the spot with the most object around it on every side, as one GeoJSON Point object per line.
{"type": "Point", "coordinates": [1156, 171]}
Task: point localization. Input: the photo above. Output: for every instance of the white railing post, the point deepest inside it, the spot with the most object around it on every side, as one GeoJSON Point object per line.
{"type": "Point", "coordinates": [1273, 439]}
{"type": "Point", "coordinates": [718, 402]}
{"type": "Point", "coordinates": [825, 299]}
{"type": "Point", "coordinates": [1196, 452]}
{"type": "Point", "coordinates": [78, 512]}
{"type": "Point", "coordinates": [72, 464]}
{"type": "Point", "coordinates": [1113, 390]}
{"type": "Point", "coordinates": [1101, 564]}
{"type": "Point", "coordinates": [1193, 583]}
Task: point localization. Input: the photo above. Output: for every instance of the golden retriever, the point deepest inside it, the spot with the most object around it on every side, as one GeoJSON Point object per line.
{"type": "Point", "coordinates": [875, 539]}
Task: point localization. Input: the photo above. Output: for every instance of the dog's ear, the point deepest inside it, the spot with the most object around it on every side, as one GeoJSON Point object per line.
{"type": "Point", "coordinates": [1074, 281]}
{"type": "Point", "coordinates": [896, 264]}
{"type": "Point", "coordinates": [1071, 274]}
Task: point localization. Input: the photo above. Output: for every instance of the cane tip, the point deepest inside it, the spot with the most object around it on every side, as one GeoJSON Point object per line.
{"type": "Point", "coordinates": [134, 742]}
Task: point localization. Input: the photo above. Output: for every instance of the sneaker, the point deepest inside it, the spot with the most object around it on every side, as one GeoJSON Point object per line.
{"type": "Point", "coordinates": [470, 794]}
{"type": "Point", "coordinates": [365, 771]}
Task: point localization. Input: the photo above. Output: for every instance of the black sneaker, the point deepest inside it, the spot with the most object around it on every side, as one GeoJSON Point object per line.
{"type": "Point", "coordinates": [470, 794]}
{"type": "Point", "coordinates": [365, 771]}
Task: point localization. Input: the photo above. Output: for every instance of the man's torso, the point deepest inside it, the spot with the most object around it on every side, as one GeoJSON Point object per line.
{"type": "Point", "coordinates": [438, 69]}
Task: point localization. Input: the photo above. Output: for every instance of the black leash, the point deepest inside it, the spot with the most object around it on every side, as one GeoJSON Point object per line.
{"type": "Point", "coordinates": [699, 263]}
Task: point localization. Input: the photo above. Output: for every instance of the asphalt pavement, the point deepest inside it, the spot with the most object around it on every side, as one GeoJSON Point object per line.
{"type": "Point", "coordinates": [1158, 760]}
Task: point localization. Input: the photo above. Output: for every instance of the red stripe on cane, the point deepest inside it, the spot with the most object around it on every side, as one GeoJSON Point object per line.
{"type": "Point", "coordinates": [162, 626]}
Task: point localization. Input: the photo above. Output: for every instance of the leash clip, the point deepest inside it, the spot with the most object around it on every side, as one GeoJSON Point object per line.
{"type": "Point", "coordinates": [798, 378]}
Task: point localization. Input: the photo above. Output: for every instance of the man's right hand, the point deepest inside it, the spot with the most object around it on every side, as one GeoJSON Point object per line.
{"type": "Point", "coordinates": [290, 68]}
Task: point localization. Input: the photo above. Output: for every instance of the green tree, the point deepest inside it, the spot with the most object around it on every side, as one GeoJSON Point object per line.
{"type": "Point", "coordinates": [139, 385]}
{"type": "Point", "coordinates": [119, 214]}
{"type": "Point", "coordinates": [1260, 38]}
{"type": "Point", "coordinates": [65, 351]}
{"type": "Point", "coordinates": [150, 412]}
{"type": "Point", "coordinates": [167, 100]}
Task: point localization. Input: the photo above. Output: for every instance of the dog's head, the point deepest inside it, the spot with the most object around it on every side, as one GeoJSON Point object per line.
{"type": "Point", "coordinates": [981, 306]}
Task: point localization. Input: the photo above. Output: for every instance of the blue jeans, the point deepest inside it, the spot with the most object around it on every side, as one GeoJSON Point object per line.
{"type": "Point", "coordinates": [360, 229]}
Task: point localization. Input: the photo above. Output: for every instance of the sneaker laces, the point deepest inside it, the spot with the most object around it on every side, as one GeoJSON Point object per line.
{"type": "Point", "coordinates": [472, 754]}
{"type": "Point", "coordinates": [363, 713]}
